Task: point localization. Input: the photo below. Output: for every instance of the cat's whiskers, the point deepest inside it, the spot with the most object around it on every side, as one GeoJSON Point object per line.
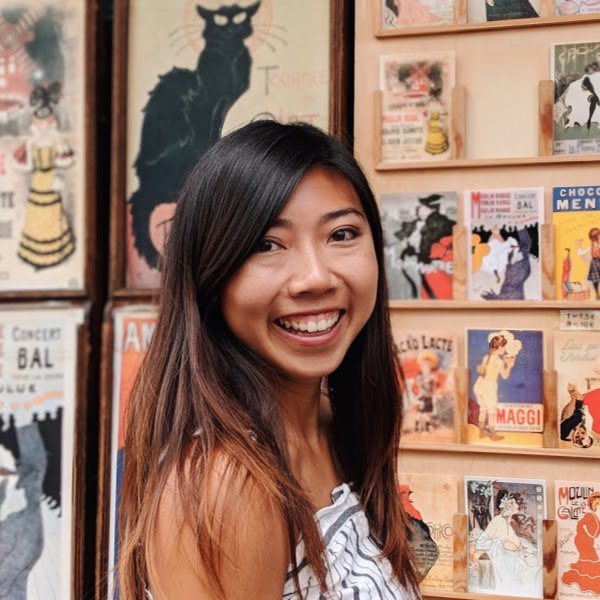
{"type": "Point", "coordinates": [264, 40]}
{"type": "Point", "coordinates": [188, 27]}
{"type": "Point", "coordinates": [188, 43]}
{"type": "Point", "coordinates": [269, 25]}
{"type": "Point", "coordinates": [274, 36]}
{"type": "Point", "coordinates": [183, 36]}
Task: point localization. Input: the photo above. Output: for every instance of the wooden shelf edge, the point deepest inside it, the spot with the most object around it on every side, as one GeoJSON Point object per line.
{"type": "Point", "coordinates": [487, 26]}
{"type": "Point", "coordinates": [482, 163]}
{"type": "Point", "coordinates": [501, 450]}
{"type": "Point", "coordinates": [429, 593]}
{"type": "Point", "coordinates": [492, 304]}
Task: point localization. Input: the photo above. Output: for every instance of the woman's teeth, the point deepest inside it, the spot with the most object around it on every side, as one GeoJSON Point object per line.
{"type": "Point", "coordinates": [316, 324]}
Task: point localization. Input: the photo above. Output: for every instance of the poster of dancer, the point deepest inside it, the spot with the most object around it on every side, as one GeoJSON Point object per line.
{"type": "Point", "coordinates": [418, 244]}
{"type": "Point", "coordinates": [505, 535]}
{"type": "Point", "coordinates": [38, 366]}
{"type": "Point", "coordinates": [578, 520]}
{"type": "Point", "coordinates": [575, 70]}
{"type": "Point", "coordinates": [504, 258]}
{"type": "Point", "coordinates": [42, 145]}
{"type": "Point", "coordinates": [505, 393]}
{"type": "Point", "coordinates": [198, 70]}
{"type": "Point", "coordinates": [133, 329]}
{"type": "Point", "coordinates": [396, 14]}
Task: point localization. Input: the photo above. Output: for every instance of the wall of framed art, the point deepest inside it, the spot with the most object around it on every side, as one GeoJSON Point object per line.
{"type": "Point", "coordinates": [468, 127]}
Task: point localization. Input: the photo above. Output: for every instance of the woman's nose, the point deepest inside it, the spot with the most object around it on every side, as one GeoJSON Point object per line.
{"type": "Point", "coordinates": [310, 273]}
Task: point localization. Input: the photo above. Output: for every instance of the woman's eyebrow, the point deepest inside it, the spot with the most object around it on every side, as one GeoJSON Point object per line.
{"type": "Point", "coordinates": [326, 218]}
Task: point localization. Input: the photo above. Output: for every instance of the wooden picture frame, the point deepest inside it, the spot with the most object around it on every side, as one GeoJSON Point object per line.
{"type": "Point", "coordinates": [58, 243]}
{"type": "Point", "coordinates": [339, 55]}
{"type": "Point", "coordinates": [43, 379]}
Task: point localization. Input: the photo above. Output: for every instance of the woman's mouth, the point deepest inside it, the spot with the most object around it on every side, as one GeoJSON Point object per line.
{"type": "Point", "coordinates": [310, 325]}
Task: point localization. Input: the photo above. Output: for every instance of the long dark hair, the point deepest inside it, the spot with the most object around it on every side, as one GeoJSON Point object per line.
{"type": "Point", "coordinates": [198, 377]}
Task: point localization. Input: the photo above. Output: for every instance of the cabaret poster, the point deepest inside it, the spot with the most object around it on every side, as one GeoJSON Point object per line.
{"type": "Point", "coordinates": [576, 220]}
{"type": "Point", "coordinates": [577, 365]}
{"type": "Point", "coordinates": [416, 92]}
{"type": "Point", "coordinates": [567, 8]}
{"type": "Point", "coordinates": [575, 70]}
{"type": "Point", "coordinates": [133, 329]}
{"type": "Point", "coordinates": [418, 244]}
{"type": "Point", "coordinates": [38, 365]}
{"type": "Point", "coordinates": [42, 145]}
{"type": "Point", "coordinates": [504, 229]}
{"type": "Point", "coordinates": [428, 362]}
{"type": "Point", "coordinates": [505, 393]}
{"type": "Point", "coordinates": [499, 10]}
{"type": "Point", "coordinates": [199, 70]}
{"type": "Point", "coordinates": [430, 501]}
{"type": "Point", "coordinates": [578, 523]}
{"type": "Point", "coordinates": [505, 520]}
{"type": "Point", "coordinates": [396, 14]}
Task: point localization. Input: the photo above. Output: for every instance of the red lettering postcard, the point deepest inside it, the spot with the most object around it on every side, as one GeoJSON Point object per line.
{"type": "Point", "coordinates": [505, 392]}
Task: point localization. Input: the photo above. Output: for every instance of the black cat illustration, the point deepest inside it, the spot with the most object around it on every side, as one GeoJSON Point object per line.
{"type": "Point", "coordinates": [185, 113]}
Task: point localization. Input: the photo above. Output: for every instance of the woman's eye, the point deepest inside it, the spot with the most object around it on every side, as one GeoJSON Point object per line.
{"type": "Point", "coordinates": [344, 235]}
{"type": "Point", "coordinates": [267, 246]}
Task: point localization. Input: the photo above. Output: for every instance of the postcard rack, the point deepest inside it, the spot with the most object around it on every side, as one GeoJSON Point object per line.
{"type": "Point", "coordinates": [501, 120]}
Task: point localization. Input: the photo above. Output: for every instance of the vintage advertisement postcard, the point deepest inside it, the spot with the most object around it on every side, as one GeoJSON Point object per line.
{"type": "Point", "coordinates": [198, 70]}
{"type": "Point", "coordinates": [505, 535]}
{"type": "Point", "coordinates": [577, 365]}
{"type": "Point", "coordinates": [578, 521]}
{"type": "Point", "coordinates": [417, 230]}
{"type": "Point", "coordinates": [133, 329]}
{"type": "Point", "coordinates": [416, 93]}
{"type": "Point", "coordinates": [504, 229]}
{"type": "Point", "coordinates": [499, 10]}
{"type": "Point", "coordinates": [396, 14]}
{"type": "Point", "coordinates": [38, 367]}
{"type": "Point", "coordinates": [576, 219]}
{"type": "Point", "coordinates": [428, 361]}
{"type": "Point", "coordinates": [575, 71]}
{"type": "Point", "coordinates": [505, 393]}
{"type": "Point", "coordinates": [567, 8]}
{"type": "Point", "coordinates": [430, 502]}
{"type": "Point", "coordinates": [42, 145]}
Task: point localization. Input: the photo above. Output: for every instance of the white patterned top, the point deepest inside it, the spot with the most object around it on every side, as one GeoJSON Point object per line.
{"type": "Point", "coordinates": [355, 569]}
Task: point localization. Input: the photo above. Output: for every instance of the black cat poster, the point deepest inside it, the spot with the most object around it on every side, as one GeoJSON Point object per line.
{"type": "Point", "coordinates": [196, 70]}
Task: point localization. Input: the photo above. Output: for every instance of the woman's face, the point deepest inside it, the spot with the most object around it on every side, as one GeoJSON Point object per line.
{"type": "Point", "coordinates": [303, 296]}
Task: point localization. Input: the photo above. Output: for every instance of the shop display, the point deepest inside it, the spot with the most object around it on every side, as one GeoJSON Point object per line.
{"type": "Point", "coordinates": [578, 517]}
{"type": "Point", "coordinates": [42, 146]}
{"type": "Point", "coordinates": [428, 361]}
{"type": "Point", "coordinates": [504, 228]}
{"type": "Point", "coordinates": [430, 501]}
{"type": "Point", "coordinates": [575, 70]}
{"type": "Point", "coordinates": [416, 92]}
{"type": "Point", "coordinates": [418, 244]}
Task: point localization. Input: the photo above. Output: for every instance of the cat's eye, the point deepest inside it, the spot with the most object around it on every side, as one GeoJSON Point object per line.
{"type": "Point", "coordinates": [221, 20]}
{"type": "Point", "coordinates": [239, 18]}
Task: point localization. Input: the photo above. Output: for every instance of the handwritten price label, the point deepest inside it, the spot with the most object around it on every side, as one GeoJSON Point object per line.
{"type": "Point", "coordinates": [579, 320]}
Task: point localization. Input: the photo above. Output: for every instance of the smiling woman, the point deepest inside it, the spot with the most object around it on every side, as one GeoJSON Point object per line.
{"type": "Point", "coordinates": [264, 425]}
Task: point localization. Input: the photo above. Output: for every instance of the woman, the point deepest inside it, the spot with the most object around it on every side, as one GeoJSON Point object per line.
{"type": "Point", "coordinates": [270, 382]}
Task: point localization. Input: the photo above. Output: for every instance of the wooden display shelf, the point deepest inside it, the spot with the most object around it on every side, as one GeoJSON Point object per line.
{"type": "Point", "coordinates": [468, 595]}
{"type": "Point", "coordinates": [482, 163]}
{"type": "Point", "coordinates": [487, 26]}
{"type": "Point", "coordinates": [493, 304]}
{"type": "Point", "coordinates": [499, 450]}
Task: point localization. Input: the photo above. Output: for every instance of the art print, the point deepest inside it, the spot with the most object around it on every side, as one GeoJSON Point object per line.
{"type": "Point", "coordinates": [576, 74]}
{"type": "Point", "coordinates": [576, 219]}
{"type": "Point", "coordinates": [416, 93]}
{"type": "Point", "coordinates": [133, 330]}
{"type": "Point", "coordinates": [418, 244]}
{"type": "Point", "coordinates": [567, 8]}
{"type": "Point", "coordinates": [505, 402]}
{"type": "Point", "coordinates": [428, 362]}
{"type": "Point", "coordinates": [578, 523]}
{"type": "Point", "coordinates": [198, 70]}
{"type": "Point", "coordinates": [577, 365]}
{"type": "Point", "coordinates": [504, 258]}
{"type": "Point", "coordinates": [397, 14]}
{"type": "Point", "coordinates": [430, 501]}
{"type": "Point", "coordinates": [38, 362]}
{"type": "Point", "coordinates": [505, 535]}
{"type": "Point", "coordinates": [42, 145]}
{"type": "Point", "coordinates": [500, 10]}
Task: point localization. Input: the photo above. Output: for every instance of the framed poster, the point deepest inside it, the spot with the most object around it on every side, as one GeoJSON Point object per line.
{"type": "Point", "coordinates": [189, 71]}
{"type": "Point", "coordinates": [46, 146]}
{"type": "Point", "coordinates": [125, 341]}
{"type": "Point", "coordinates": [41, 493]}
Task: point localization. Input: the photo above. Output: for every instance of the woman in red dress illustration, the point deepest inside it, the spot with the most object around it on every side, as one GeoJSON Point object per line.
{"type": "Point", "coordinates": [585, 573]}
